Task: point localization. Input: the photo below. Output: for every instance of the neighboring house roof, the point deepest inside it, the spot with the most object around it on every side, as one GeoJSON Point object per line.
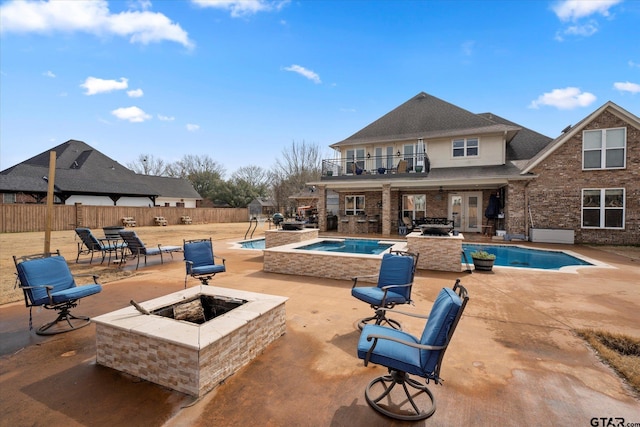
{"type": "Point", "coordinates": [170, 187]}
{"type": "Point", "coordinates": [615, 109]}
{"type": "Point", "coordinates": [305, 194]}
{"type": "Point", "coordinates": [425, 116]}
{"type": "Point", "coordinates": [268, 203]}
{"type": "Point", "coordinates": [80, 169]}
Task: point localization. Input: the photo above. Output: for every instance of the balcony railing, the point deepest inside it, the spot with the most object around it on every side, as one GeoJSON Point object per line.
{"type": "Point", "coordinates": [375, 165]}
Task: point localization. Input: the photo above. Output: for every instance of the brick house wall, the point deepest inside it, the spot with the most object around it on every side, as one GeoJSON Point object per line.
{"type": "Point", "coordinates": [555, 195]}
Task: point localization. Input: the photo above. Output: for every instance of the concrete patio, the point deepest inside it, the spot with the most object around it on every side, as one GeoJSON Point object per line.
{"type": "Point", "coordinates": [514, 359]}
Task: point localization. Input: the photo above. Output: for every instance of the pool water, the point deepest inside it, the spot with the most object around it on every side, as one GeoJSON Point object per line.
{"type": "Point", "coordinates": [253, 244]}
{"type": "Point", "coordinates": [515, 256]}
{"type": "Point", "coordinates": [352, 246]}
{"type": "Point", "coordinates": [506, 256]}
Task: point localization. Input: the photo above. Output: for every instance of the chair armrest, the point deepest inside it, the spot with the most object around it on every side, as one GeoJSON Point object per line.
{"type": "Point", "coordinates": [48, 288]}
{"type": "Point", "coordinates": [392, 310]}
{"type": "Point", "coordinates": [396, 286]}
{"type": "Point", "coordinates": [95, 277]}
{"type": "Point", "coordinates": [355, 279]}
{"type": "Point", "coordinates": [219, 257]}
{"type": "Point", "coordinates": [376, 337]}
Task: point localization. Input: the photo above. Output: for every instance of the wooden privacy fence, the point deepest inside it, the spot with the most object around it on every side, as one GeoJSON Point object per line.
{"type": "Point", "coordinates": [17, 218]}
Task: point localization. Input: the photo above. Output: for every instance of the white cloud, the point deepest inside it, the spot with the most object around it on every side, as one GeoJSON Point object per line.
{"type": "Point", "coordinates": [192, 128]}
{"type": "Point", "coordinates": [166, 118]}
{"type": "Point", "coordinates": [132, 114]}
{"type": "Point", "coordinates": [564, 99]}
{"type": "Point", "coordinates": [239, 8]}
{"type": "Point", "coordinates": [584, 30]}
{"type": "Point", "coordinates": [634, 64]}
{"type": "Point", "coordinates": [572, 10]}
{"type": "Point", "coordinates": [305, 73]}
{"type": "Point", "coordinates": [91, 17]}
{"type": "Point", "coordinates": [577, 10]}
{"type": "Point", "coordinates": [135, 93]}
{"type": "Point", "coordinates": [627, 87]}
{"type": "Point", "coordinates": [49, 74]}
{"type": "Point", "coordinates": [94, 85]}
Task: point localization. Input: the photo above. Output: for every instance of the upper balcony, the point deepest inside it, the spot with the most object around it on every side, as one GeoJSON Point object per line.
{"type": "Point", "coordinates": [376, 167]}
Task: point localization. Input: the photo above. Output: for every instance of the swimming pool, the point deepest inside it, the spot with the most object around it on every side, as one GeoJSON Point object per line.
{"type": "Point", "coordinates": [506, 255]}
{"type": "Point", "coordinates": [519, 257]}
{"type": "Point", "coordinates": [352, 246]}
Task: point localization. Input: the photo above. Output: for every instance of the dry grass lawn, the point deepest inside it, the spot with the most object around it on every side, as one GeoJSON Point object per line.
{"type": "Point", "coordinates": [21, 244]}
{"type": "Point", "coordinates": [621, 352]}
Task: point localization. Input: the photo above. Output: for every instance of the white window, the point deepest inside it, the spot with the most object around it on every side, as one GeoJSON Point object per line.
{"type": "Point", "coordinates": [604, 148]}
{"type": "Point", "coordinates": [354, 205]}
{"type": "Point", "coordinates": [355, 160]}
{"type": "Point", "coordinates": [409, 156]}
{"type": "Point", "coordinates": [8, 198]}
{"type": "Point", "coordinates": [603, 208]}
{"type": "Point", "coordinates": [414, 206]}
{"type": "Point", "coordinates": [466, 147]}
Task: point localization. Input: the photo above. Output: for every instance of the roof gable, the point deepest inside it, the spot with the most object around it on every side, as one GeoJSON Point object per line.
{"type": "Point", "coordinates": [424, 116]}
{"type": "Point", "coordinates": [618, 111]}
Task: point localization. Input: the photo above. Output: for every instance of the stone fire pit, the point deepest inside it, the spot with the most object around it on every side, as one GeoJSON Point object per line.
{"type": "Point", "coordinates": [192, 340]}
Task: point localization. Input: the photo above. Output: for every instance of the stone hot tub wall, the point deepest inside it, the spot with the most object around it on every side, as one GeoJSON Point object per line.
{"type": "Point", "coordinates": [273, 238]}
{"type": "Point", "coordinates": [436, 252]}
{"type": "Point", "coordinates": [183, 356]}
{"type": "Point", "coordinates": [332, 265]}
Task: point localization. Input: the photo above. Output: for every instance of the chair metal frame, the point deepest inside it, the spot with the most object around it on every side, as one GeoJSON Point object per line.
{"type": "Point", "coordinates": [203, 277]}
{"type": "Point", "coordinates": [407, 397]}
{"type": "Point", "coordinates": [380, 316]}
{"type": "Point", "coordinates": [89, 244]}
{"type": "Point", "coordinates": [136, 248]}
{"type": "Point", "coordinates": [63, 308]}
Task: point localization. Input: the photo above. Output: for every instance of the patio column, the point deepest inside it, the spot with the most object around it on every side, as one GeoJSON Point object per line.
{"type": "Point", "coordinates": [322, 207]}
{"type": "Point", "coordinates": [386, 209]}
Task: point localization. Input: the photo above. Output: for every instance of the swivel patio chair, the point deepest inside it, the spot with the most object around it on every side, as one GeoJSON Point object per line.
{"type": "Point", "coordinates": [404, 355]}
{"type": "Point", "coordinates": [137, 248]}
{"type": "Point", "coordinates": [89, 244]}
{"type": "Point", "coordinates": [395, 281]}
{"type": "Point", "coordinates": [200, 260]}
{"type": "Point", "coordinates": [47, 282]}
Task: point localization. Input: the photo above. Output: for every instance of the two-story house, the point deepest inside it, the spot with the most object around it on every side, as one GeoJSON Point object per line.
{"type": "Point", "coordinates": [431, 159]}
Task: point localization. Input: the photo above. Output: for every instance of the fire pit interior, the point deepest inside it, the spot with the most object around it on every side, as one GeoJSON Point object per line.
{"type": "Point", "coordinates": [191, 340]}
{"type": "Point", "coordinates": [200, 309]}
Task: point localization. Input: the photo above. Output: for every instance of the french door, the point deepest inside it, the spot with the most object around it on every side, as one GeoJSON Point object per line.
{"type": "Point", "coordinates": [466, 211]}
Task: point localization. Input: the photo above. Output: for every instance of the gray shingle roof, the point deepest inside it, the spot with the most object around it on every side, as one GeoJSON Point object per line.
{"type": "Point", "coordinates": [425, 116]}
{"type": "Point", "coordinates": [170, 187]}
{"type": "Point", "coordinates": [80, 169]}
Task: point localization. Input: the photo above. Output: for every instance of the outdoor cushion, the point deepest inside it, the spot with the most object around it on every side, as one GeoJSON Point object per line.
{"type": "Point", "coordinates": [444, 311]}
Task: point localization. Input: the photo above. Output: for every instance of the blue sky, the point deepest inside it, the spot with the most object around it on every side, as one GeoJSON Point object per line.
{"type": "Point", "coordinates": [240, 81]}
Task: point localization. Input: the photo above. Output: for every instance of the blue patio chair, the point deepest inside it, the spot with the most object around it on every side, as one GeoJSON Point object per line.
{"type": "Point", "coordinates": [395, 281]}
{"type": "Point", "coordinates": [200, 260]}
{"type": "Point", "coordinates": [404, 355]}
{"type": "Point", "coordinates": [47, 282]}
{"type": "Point", "coordinates": [136, 248]}
{"type": "Point", "coordinates": [89, 244]}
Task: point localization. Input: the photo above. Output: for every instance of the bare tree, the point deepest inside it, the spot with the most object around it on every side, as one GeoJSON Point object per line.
{"type": "Point", "coordinates": [255, 176]}
{"type": "Point", "coordinates": [204, 173]}
{"type": "Point", "coordinates": [147, 164]}
{"type": "Point", "coordinates": [298, 164]}
{"type": "Point", "coordinates": [192, 164]}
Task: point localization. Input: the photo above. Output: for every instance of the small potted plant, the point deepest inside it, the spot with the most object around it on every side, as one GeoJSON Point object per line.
{"type": "Point", "coordinates": [483, 260]}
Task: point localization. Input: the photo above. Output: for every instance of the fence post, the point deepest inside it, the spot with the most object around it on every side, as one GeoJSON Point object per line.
{"type": "Point", "coordinates": [79, 215]}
